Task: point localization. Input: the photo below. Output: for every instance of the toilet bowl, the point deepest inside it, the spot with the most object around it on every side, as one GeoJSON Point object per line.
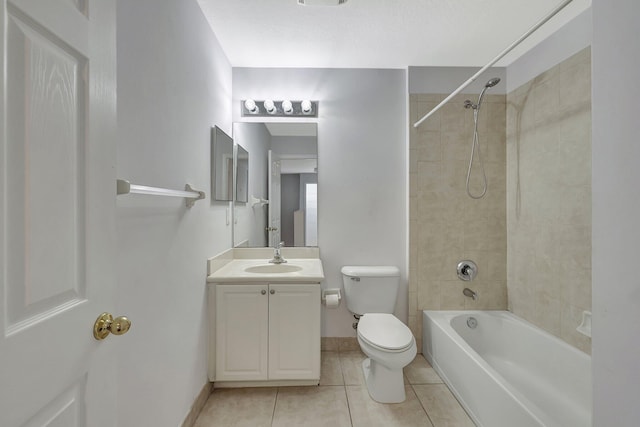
{"type": "Point", "coordinates": [371, 292]}
{"type": "Point", "coordinates": [389, 346]}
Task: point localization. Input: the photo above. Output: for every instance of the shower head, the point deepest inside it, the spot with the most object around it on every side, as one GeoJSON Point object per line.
{"type": "Point", "coordinates": [492, 82]}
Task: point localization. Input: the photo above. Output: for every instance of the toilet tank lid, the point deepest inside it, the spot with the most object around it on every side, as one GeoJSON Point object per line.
{"type": "Point", "coordinates": [370, 271]}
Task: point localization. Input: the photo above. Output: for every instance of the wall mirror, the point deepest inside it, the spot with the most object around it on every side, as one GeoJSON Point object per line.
{"type": "Point", "coordinates": [221, 165]}
{"type": "Point", "coordinates": [282, 203]}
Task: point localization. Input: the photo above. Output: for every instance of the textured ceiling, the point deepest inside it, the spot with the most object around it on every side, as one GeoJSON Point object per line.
{"type": "Point", "coordinates": [378, 33]}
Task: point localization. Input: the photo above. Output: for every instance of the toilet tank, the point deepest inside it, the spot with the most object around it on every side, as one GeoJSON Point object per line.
{"type": "Point", "coordinates": [370, 289]}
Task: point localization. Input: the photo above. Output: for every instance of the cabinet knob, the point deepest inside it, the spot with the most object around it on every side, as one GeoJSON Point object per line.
{"type": "Point", "coordinates": [263, 292]}
{"type": "Point", "coordinates": [272, 291]}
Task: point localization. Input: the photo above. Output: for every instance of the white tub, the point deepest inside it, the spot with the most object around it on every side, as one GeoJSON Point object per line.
{"type": "Point", "coordinates": [507, 372]}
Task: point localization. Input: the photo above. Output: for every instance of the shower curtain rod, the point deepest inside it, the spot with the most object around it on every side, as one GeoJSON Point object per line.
{"type": "Point", "coordinates": [494, 60]}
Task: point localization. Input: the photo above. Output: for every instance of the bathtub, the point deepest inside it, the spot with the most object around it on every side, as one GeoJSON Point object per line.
{"type": "Point", "coordinates": [507, 372]}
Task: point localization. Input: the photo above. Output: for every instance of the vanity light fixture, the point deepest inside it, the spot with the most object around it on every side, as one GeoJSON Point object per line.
{"type": "Point", "coordinates": [287, 108]}
{"type": "Point", "coordinates": [270, 106]}
{"type": "Point", "coordinates": [306, 107]}
{"type": "Point", "coordinates": [250, 106]}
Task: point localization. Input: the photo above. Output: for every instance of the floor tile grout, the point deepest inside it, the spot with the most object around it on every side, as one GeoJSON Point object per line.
{"type": "Point", "coordinates": [422, 406]}
{"type": "Point", "coordinates": [348, 405]}
{"type": "Point", "coordinates": [353, 403]}
{"type": "Point", "coordinates": [275, 403]}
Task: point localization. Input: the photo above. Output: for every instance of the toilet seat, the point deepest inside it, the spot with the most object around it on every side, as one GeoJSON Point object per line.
{"type": "Point", "coordinates": [385, 332]}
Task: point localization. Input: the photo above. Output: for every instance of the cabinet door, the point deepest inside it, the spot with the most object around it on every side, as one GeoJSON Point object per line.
{"type": "Point", "coordinates": [242, 332]}
{"type": "Point", "coordinates": [294, 332]}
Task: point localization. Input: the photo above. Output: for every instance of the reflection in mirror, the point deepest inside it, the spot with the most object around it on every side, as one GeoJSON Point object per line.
{"type": "Point", "coordinates": [242, 174]}
{"type": "Point", "coordinates": [221, 165]}
{"type": "Point", "coordinates": [283, 171]}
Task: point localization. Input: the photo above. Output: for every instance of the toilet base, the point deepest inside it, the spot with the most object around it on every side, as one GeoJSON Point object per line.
{"type": "Point", "coordinates": [384, 385]}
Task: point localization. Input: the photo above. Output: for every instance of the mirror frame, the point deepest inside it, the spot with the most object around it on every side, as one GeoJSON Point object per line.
{"type": "Point", "coordinates": [221, 144]}
{"type": "Point", "coordinates": [241, 174]}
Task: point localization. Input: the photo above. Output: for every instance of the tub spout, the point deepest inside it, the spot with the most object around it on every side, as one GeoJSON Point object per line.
{"type": "Point", "coordinates": [469, 293]}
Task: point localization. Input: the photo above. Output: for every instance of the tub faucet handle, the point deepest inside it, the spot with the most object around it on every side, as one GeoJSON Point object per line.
{"type": "Point", "coordinates": [467, 270]}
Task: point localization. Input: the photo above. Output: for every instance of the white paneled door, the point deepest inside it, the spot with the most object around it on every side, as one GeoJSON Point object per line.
{"type": "Point", "coordinates": [57, 212]}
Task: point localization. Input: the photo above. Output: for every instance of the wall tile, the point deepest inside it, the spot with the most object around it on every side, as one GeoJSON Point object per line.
{"type": "Point", "coordinates": [448, 224]}
{"type": "Point", "coordinates": [549, 198]}
{"type": "Point", "coordinates": [452, 117]}
{"type": "Point", "coordinates": [456, 145]}
{"type": "Point", "coordinates": [574, 87]}
{"type": "Point", "coordinates": [451, 296]}
{"type": "Point", "coordinates": [429, 176]}
{"type": "Point", "coordinates": [548, 160]}
{"type": "Point", "coordinates": [428, 145]}
{"type": "Point", "coordinates": [433, 124]}
{"type": "Point", "coordinates": [570, 320]}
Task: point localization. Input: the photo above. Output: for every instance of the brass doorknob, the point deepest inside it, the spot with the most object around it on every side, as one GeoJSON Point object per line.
{"type": "Point", "coordinates": [106, 324]}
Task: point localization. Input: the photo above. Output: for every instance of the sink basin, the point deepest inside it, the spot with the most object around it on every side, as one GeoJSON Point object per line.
{"type": "Point", "coordinates": [273, 269]}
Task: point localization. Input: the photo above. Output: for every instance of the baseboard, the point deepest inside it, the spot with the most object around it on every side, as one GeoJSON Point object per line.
{"type": "Point", "coordinates": [198, 404]}
{"type": "Point", "coordinates": [266, 383]}
{"type": "Point", "coordinates": [339, 344]}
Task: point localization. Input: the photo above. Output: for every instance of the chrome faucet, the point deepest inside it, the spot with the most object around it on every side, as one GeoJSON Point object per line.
{"type": "Point", "coordinates": [469, 293]}
{"type": "Point", "coordinates": [277, 256]}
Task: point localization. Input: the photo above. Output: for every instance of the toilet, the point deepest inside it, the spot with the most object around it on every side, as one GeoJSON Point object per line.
{"type": "Point", "coordinates": [371, 292]}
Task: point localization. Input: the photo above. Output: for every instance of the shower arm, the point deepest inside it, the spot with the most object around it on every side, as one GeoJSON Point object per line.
{"type": "Point", "coordinates": [512, 46]}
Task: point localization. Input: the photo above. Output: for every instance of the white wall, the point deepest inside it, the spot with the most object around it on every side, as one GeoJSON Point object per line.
{"type": "Point", "coordinates": [568, 40]}
{"type": "Point", "coordinates": [362, 168]}
{"type": "Point", "coordinates": [174, 84]}
{"type": "Point", "coordinates": [448, 79]}
{"type": "Point", "coordinates": [616, 210]}
{"type": "Point", "coordinates": [295, 145]}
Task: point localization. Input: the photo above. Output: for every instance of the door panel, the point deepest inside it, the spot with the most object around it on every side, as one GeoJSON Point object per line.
{"type": "Point", "coordinates": [47, 117]}
{"type": "Point", "coordinates": [57, 212]}
{"type": "Point", "coordinates": [294, 332]}
{"type": "Point", "coordinates": [66, 410]}
{"type": "Point", "coordinates": [241, 332]}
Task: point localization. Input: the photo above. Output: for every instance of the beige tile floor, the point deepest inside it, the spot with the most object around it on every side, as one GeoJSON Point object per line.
{"type": "Point", "coordinates": [340, 400]}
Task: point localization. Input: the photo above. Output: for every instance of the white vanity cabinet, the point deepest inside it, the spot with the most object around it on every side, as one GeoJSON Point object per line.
{"type": "Point", "coordinates": [267, 332]}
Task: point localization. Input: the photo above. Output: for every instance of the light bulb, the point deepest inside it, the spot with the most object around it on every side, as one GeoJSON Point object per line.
{"type": "Point", "coordinates": [287, 107]}
{"type": "Point", "coordinates": [306, 106]}
{"type": "Point", "coordinates": [251, 106]}
{"type": "Point", "coordinates": [269, 106]}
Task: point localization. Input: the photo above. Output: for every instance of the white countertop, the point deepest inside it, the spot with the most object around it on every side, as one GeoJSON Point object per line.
{"type": "Point", "coordinates": [235, 271]}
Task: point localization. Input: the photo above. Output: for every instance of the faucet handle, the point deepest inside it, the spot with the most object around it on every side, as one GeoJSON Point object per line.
{"type": "Point", "coordinates": [467, 270]}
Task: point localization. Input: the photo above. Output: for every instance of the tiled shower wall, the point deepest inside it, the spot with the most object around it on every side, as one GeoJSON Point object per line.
{"type": "Point", "coordinates": [549, 198]}
{"type": "Point", "coordinates": [446, 225]}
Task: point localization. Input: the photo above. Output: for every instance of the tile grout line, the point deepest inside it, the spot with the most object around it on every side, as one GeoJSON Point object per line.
{"type": "Point", "coordinates": [344, 384]}
{"type": "Point", "coordinates": [344, 381]}
{"type": "Point", "coordinates": [421, 405]}
{"type": "Point", "coordinates": [348, 405]}
{"type": "Point", "coordinates": [275, 402]}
